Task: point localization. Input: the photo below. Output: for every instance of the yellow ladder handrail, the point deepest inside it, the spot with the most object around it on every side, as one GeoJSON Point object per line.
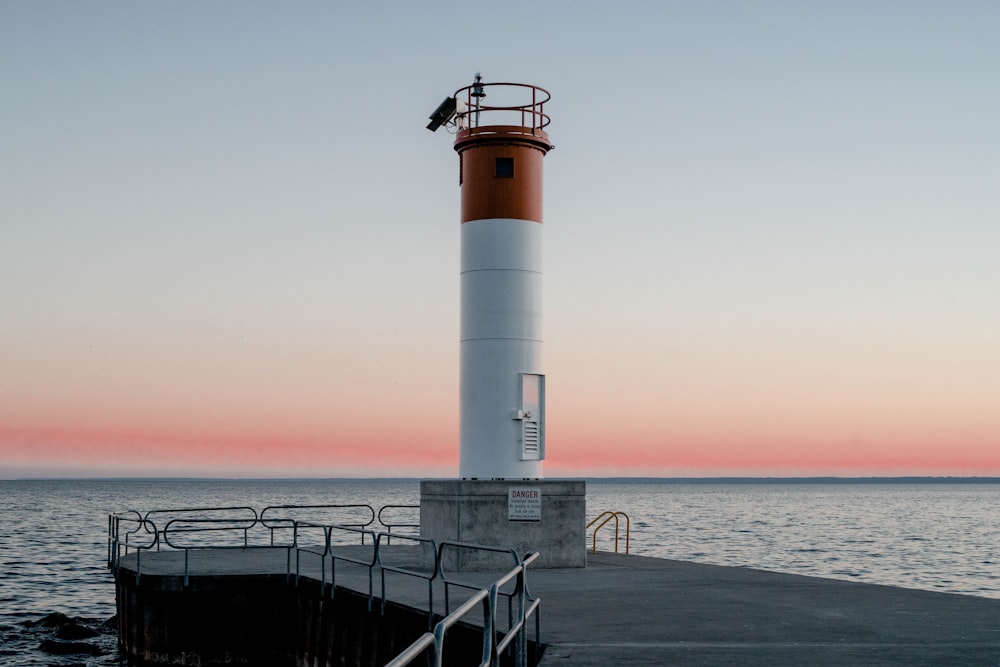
{"type": "Point", "coordinates": [608, 515]}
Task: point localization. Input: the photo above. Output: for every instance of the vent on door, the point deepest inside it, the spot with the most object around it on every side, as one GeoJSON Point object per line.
{"type": "Point", "coordinates": [529, 436]}
{"type": "Point", "coordinates": [532, 416]}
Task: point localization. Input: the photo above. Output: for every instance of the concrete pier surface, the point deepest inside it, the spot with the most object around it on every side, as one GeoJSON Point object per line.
{"type": "Point", "coordinates": [631, 610]}
{"type": "Point", "coordinates": [634, 610]}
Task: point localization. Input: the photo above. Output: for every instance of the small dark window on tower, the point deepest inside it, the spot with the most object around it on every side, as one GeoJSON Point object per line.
{"type": "Point", "coordinates": [505, 167]}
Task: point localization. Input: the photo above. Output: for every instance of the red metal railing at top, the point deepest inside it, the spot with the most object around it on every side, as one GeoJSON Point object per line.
{"type": "Point", "coordinates": [527, 114]}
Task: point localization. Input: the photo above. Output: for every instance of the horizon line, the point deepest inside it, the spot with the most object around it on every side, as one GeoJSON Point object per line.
{"type": "Point", "coordinates": [815, 479]}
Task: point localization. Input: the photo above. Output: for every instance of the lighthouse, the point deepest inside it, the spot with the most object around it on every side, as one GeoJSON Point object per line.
{"type": "Point", "coordinates": [501, 145]}
{"type": "Point", "coordinates": [500, 497]}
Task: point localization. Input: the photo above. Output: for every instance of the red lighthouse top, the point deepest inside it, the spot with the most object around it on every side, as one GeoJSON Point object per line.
{"type": "Point", "coordinates": [500, 138]}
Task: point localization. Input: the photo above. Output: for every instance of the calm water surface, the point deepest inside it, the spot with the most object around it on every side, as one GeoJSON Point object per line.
{"type": "Point", "coordinates": [941, 537]}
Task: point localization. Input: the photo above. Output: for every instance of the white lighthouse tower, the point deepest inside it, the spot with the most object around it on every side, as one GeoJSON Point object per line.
{"type": "Point", "coordinates": [500, 498]}
{"type": "Point", "coordinates": [502, 388]}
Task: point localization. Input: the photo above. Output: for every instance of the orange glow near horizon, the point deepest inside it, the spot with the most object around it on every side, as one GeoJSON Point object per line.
{"type": "Point", "coordinates": [395, 449]}
{"type": "Point", "coordinates": [197, 400]}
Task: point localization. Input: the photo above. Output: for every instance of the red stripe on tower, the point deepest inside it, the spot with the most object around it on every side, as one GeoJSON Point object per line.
{"type": "Point", "coordinates": [501, 172]}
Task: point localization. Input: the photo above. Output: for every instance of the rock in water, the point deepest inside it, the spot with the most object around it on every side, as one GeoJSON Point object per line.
{"type": "Point", "coordinates": [73, 630]}
{"type": "Point", "coordinates": [52, 620]}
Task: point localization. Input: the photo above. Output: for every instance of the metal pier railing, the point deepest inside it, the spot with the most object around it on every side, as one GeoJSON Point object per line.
{"type": "Point", "coordinates": [515, 639]}
{"type": "Point", "coordinates": [399, 516]}
{"type": "Point", "coordinates": [352, 543]}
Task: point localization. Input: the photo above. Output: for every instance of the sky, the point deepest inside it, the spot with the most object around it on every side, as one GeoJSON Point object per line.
{"type": "Point", "coordinates": [229, 247]}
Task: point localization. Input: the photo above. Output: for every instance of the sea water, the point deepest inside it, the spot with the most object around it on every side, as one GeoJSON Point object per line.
{"type": "Point", "coordinates": [940, 537]}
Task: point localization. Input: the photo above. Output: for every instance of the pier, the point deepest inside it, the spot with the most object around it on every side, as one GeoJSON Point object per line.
{"type": "Point", "coordinates": [620, 609]}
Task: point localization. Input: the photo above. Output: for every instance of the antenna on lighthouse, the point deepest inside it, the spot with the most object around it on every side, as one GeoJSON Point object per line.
{"type": "Point", "coordinates": [479, 92]}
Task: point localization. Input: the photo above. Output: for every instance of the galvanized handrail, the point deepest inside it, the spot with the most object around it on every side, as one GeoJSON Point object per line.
{"type": "Point", "coordinates": [190, 525]}
{"type": "Point", "coordinates": [492, 647]}
{"type": "Point", "coordinates": [286, 522]}
{"type": "Point", "coordinates": [206, 512]}
{"type": "Point", "coordinates": [119, 540]}
{"type": "Point", "coordinates": [465, 545]}
{"type": "Point", "coordinates": [427, 576]}
{"type": "Point", "coordinates": [116, 543]}
{"type": "Point", "coordinates": [369, 563]}
{"type": "Point", "coordinates": [114, 534]}
{"type": "Point", "coordinates": [480, 548]}
{"type": "Point", "coordinates": [415, 650]}
{"type": "Point", "coordinates": [515, 637]}
{"type": "Point", "coordinates": [608, 515]}
{"type": "Point", "coordinates": [390, 526]}
{"type": "Point", "coordinates": [175, 528]}
{"type": "Point", "coordinates": [241, 518]}
{"type": "Point", "coordinates": [296, 529]}
{"type": "Point", "coordinates": [515, 630]}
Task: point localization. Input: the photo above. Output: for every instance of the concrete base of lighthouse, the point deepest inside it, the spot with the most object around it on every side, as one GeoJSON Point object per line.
{"type": "Point", "coordinates": [547, 516]}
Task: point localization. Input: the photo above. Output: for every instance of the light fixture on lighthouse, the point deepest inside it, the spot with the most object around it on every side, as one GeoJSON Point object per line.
{"type": "Point", "coordinates": [444, 113]}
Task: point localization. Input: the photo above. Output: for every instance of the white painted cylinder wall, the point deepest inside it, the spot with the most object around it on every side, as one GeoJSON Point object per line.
{"type": "Point", "coordinates": [501, 337]}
